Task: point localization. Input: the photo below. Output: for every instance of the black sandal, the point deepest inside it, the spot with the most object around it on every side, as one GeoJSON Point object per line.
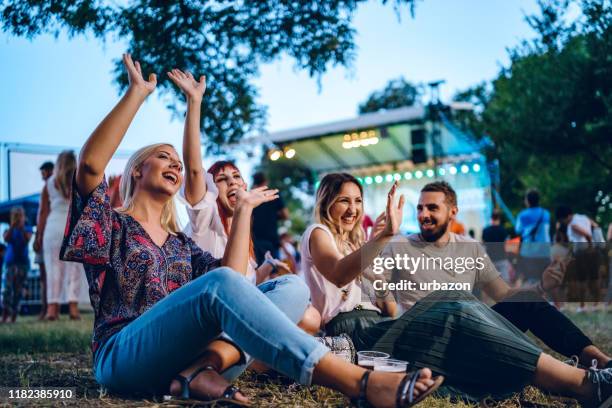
{"type": "Point", "coordinates": [229, 395]}
{"type": "Point", "coordinates": [405, 390]}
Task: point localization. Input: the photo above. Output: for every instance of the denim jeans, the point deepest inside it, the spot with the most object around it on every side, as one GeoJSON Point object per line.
{"type": "Point", "coordinates": [146, 354]}
{"type": "Point", "coordinates": [290, 294]}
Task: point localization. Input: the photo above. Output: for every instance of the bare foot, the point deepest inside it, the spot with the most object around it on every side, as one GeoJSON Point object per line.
{"type": "Point", "coordinates": [383, 387]}
{"type": "Point", "coordinates": [206, 385]}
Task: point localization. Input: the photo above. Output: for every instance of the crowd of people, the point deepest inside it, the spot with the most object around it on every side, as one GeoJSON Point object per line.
{"type": "Point", "coordinates": [576, 246]}
{"type": "Point", "coordinates": [184, 312]}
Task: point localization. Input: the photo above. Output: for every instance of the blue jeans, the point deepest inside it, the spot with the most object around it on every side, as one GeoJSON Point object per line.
{"type": "Point", "coordinates": [290, 294]}
{"type": "Point", "coordinates": [146, 354]}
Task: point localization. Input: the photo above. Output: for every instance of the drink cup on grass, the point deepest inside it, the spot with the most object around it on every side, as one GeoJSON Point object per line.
{"type": "Point", "coordinates": [366, 359]}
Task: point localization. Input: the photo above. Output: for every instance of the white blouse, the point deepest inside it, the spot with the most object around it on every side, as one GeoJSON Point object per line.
{"type": "Point", "coordinates": [325, 296]}
{"type": "Point", "coordinates": [205, 226]}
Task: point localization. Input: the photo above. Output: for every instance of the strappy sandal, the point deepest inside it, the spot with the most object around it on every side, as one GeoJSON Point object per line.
{"type": "Point", "coordinates": [229, 395]}
{"type": "Point", "coordinates": [405, 390]}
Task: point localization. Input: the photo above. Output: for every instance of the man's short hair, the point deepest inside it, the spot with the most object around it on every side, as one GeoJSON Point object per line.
{"type": "Point", "coordinates": [562, 212]}
{"type": "Point", "coordinates": [533, 197]}
{"type": "Point", "coordinates": [442, 187]}
{"type": "Point", "coordinates": [47, 166]}
{"type": "Point", "coordinates": [496, 216]}
{"type": "Point", "coordinates": [259, 178]}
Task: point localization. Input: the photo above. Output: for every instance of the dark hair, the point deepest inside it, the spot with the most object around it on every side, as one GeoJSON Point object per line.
{"type": "Point", "coordinates": [2, 247]}
{"type": "Point", "coordinates": [259, 178]}
{"type": "Point", "coordinates": [497, 216]}
{"type": "Point", "coordinates": [47, 166]}
{"type": "Point", "coordinates": [533, 197]}
{"type": "Point", "coordinates": [562, 212]}
{"type": "Point", "coordinates": [442, 187]}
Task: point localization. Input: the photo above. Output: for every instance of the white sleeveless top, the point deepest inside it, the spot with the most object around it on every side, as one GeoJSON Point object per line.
{"type": "Point", "coordinates": [325, 296]}
{"type": "Point", "coordinates": [58, 206]}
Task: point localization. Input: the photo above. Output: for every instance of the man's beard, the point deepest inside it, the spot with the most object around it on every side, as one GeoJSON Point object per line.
{"type": "Point", "coordinates": [436, 233]}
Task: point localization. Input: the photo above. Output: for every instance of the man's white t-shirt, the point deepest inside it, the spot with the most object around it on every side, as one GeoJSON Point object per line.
{"type": "Point", "coordinates": [581, 221]}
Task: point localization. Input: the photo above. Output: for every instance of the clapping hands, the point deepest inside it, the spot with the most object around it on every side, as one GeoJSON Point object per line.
{"type": "Point", "coordinates": [255, 197]}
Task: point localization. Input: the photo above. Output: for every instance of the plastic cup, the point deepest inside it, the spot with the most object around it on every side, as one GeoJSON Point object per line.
{"type": "Point", "coordinates": [390, 365]}
{"type": "Point", "coordinates": [366, 359]}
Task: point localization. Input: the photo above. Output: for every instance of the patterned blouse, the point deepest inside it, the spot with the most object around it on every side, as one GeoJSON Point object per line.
{"type": "Point", "coordinates": [126, 271]}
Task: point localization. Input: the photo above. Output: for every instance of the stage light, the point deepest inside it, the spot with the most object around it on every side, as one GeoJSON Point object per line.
{"type": "Point", "coordinates": [397, 177]}
{"type": "Point", "coordinates": [441, 171]}
{"type": "Point", "coordinates": [452, 170]}
{"type": "Point", "coordinates": [408, 175]}
{"type": "Point", "coordinates": [430, 173]}
{"type": "Point", "coordinates": [464, 168]}
{"type": "Point", "coordinates": [476, 167]}
{"type": "Point", "coordinates": [389, 178]}
{"type": "Point", "coordinates": [360, 180]}
{"type": "Point", "coordinates": [368, 180]}
{"type": "Point", "coordinates": [275, 154]}
{"type": "Point", "coordinates": [378, 179]}
{"type": "Point", "coordinates": [290, 153]}
{"type": "Point", "coordinates": [418, 174]}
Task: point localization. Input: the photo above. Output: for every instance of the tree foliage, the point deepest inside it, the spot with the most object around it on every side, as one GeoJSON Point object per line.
{"type": "Point", "coordinates": [396, 94]}
{"type": "Point", "coordinates": [226, 40]}
{"type": "Point", "coordinates": [550, 112]}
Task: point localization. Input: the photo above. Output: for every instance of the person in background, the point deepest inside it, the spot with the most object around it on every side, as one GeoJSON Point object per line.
{"type": "Point", "coordinates": [457, 227]}
{"type": "Point", "coordinates": [2, 252]}
{"type": "Point", "coordinates": [46, 170]}
{"type": "Point", "coordinates": [533, 225]}
{"type": "Point", "coordinates": [265, 223]}
{"type": "Point", "coordinates": [368, 225]}
{"type": "Point", "coordinates": [16, 263]}
{"type": "Point", "coordinates": [288, 251]}
{"type": "Point", "coordinates": [560, 252]}
{"type": "Point", "coordinates": [584, 277]}
{"type": "Point", "coordinates": [494, 236]}
{"type": "Point", "coordinates": [55, 200]}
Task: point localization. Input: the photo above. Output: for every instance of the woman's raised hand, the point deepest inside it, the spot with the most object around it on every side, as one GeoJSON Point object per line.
{"type": "Point", "coordinates": [135, 77]}
{"type": "Point", "coordinates": [255, 197]}
{"type": "Point", "coordinates": [193, 90]}
{"type": "Point", "coordinates": [393, 213]}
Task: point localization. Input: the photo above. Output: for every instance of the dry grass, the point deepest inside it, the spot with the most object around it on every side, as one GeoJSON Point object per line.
{"type": "Point", "coordinates": [56, 355]}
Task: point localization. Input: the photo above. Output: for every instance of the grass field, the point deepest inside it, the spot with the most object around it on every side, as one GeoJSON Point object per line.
{"type": "Point", "coordinates": [34, 353]}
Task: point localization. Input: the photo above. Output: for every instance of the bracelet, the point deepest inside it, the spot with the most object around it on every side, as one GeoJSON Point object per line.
{"type": "Point", "coordinates": [381, 294]}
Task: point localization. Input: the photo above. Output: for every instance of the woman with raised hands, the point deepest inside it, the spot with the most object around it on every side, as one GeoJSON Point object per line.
{"type": "Point", "coordinates": [477, 350]}
{"type": "Point", "coordinates": [211, 199]}
{"type": "Point", "coordinates": [160, 301]}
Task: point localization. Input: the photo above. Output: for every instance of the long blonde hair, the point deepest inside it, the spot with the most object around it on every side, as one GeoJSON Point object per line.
{"type": "Point", "coordinates": [327, 193]}
{"type": "Point", "coordinates": [65, 166]}
{"type": "Point", "coordinates": [169, 219]}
